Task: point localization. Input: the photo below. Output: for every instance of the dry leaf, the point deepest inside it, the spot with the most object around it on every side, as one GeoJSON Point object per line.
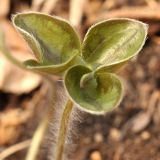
{"type": "Point", "coordinates": [140, 122]}
{"type": "Point", "coordinates": [16, 80]}
{"type": "Point", "coordinates": [76, 14]}
{"type": "Point", "coordinates": [12, 78]}
{"type": "Point", "coordinates": [9, 124]}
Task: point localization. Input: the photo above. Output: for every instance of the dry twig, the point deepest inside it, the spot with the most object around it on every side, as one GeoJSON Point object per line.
{"type": "Point", "coordinates": [36, 4]}
{"type": "Point", "coordinates": [76, 11]}
{"type": "Point", "coordinates": [4, 7]}
{"type": "Point", "coordinates": [15, 148]}
{"type": "Point", "coordinates": [49, 6]}
{"type": "Point", "coordinates": [145, 13]}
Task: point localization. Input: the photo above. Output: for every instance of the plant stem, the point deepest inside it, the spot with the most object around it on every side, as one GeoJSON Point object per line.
{"type": "Point", "coordinates": [63, 130]}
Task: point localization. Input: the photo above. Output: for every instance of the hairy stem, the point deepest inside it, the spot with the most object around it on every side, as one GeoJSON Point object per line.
{"type": "Point", "coordinates": [63, 130]}
{"type": "Point", "coordinates": [43, 126]}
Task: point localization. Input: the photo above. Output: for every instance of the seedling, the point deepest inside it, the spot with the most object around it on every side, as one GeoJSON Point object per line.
{"type": "Point", "coordinates": [87, 69]}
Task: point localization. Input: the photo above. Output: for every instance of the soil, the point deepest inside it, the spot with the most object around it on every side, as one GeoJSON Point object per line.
{"type": "Point", "coordinates": [130, 132]}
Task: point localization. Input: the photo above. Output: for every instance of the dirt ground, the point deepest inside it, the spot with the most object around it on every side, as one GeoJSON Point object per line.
{"type": "Point", "coordinates": [130, 132]}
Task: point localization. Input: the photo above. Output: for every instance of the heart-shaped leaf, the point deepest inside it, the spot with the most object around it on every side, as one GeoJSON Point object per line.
{"type": "Point", "coordinates": [51, 69]}
{"type": "Point", "coordinates": [52, 40]}
{"type": "Point", "coordinates": [113, 42]}
{"type": "Point", "coordinates": [95, 93]}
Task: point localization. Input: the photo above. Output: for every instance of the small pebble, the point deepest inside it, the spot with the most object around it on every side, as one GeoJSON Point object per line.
{"type": "Point", "coordinates": [145, 135]}
{"type": "Point", "coordinates": [95, 156]}
{"type": "Point", "coordinates": [115, 134]}
{"type": "Point", "coordinates": [98, 137]}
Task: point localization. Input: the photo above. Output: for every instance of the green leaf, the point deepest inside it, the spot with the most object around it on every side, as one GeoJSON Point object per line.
{"type": "Point", "coordinates": [113, 42]}
{"type": "Point", "coordinates": [52, 40]}
{"type": "Point", "coordinates": [51, 69]}
{"type": "Point", "coordinates": [95, 93]}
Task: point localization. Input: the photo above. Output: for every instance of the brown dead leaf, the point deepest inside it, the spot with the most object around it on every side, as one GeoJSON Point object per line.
{"type": "Point", "coordinates": [12, 118]}
{"type": "Point", "coordinates": [16, 80]}
{"type": "Point", "coordinates": [136, 124]}
{"type": "Point", "coordinates": [140, 121]}
{"type": "Point", "coordinates": [12, 78]}
{"type": "Point", "coordinates": [9, 124]}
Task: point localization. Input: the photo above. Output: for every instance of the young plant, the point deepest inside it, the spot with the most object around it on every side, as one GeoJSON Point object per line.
{"type": "Point", "coordinates": [87, 69]}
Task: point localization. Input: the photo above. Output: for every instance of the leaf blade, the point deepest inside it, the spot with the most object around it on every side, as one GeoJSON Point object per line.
{"type": "Point", "coordinates": [98, 95]}
{"type": "Point", "coordinates": [53, 40]}
{"type": "Point", "coordinates": [113, 42]}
